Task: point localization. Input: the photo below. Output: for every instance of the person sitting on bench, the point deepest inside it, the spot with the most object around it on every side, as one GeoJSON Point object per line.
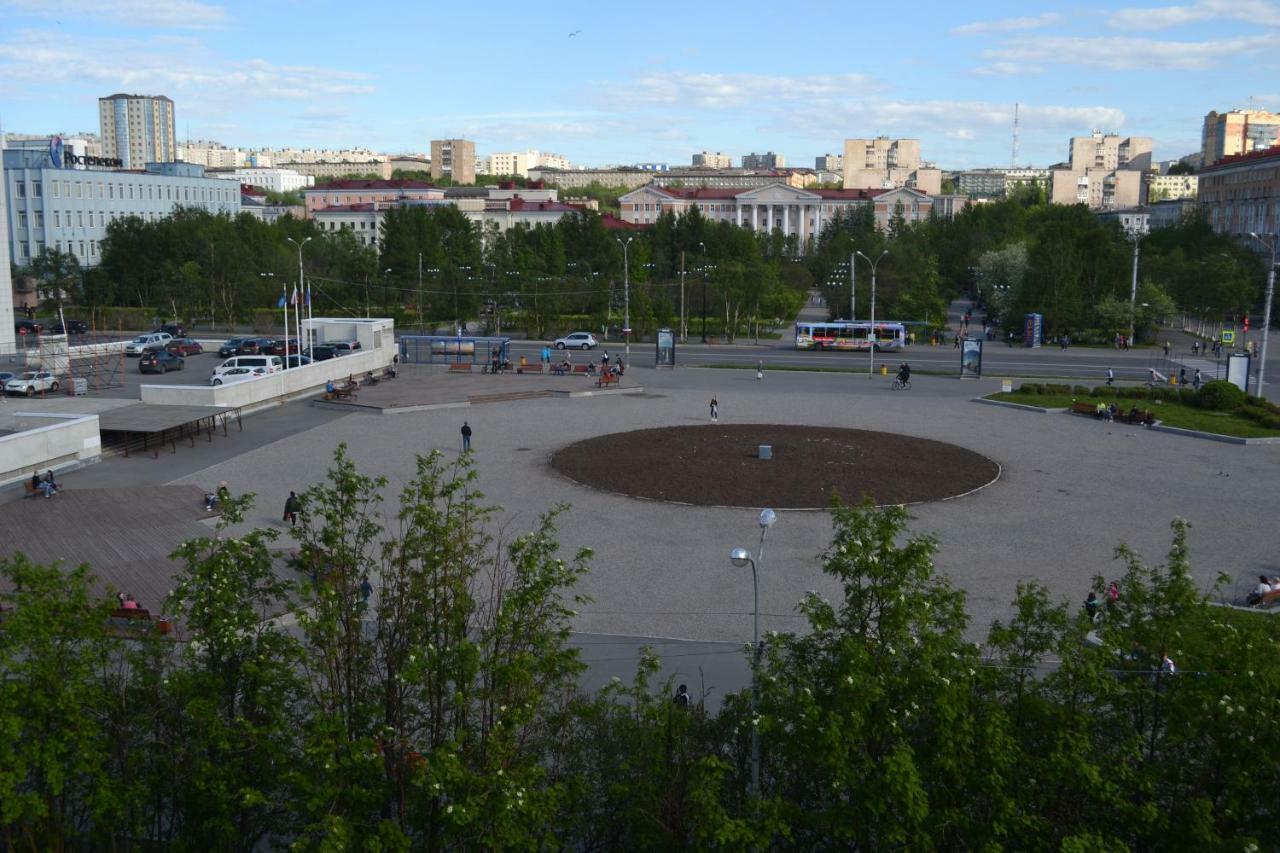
{"type": "Point", "coordinates": [370, 379]}
{"type": "Point", "coordinates": [42, 485]}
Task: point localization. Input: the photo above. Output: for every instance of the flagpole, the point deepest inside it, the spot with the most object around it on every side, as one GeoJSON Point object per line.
{"type": "Point", "coordinates": [285, 298]}
{"type": "Point", "coordinates": [297, 320]}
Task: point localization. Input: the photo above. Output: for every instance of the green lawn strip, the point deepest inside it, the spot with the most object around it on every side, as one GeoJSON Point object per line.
{"type": "Point", "coordinates": [1169, 414]}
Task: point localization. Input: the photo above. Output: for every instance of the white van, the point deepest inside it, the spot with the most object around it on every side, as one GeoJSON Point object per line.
{"type": "Point", "coordinates": [259, 365]}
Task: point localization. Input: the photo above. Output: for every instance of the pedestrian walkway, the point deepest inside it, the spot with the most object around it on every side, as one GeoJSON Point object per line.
{"type": "Point", "coordinates": [814, 309]}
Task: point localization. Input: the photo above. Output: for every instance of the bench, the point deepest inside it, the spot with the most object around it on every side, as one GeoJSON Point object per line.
{"type": "Point", "coordinates": [530, 368]}
{"type": "Point", "coordinates": [583, 368]}
{"type": "Point", "coordinates": [30, 491]}
{"type": "Point", "coordinates": [1090, 409]}
{"type": "Point", "coordinates": [460, 367]}
{"type": "Point", "coordinates": [1270, 599]}
{"type": "Point", "coordinates": [341, 392]}
{"type": "Point", "coordinates": [608, 379]}
{"type": "Point", "coordinates": [1139, 416]}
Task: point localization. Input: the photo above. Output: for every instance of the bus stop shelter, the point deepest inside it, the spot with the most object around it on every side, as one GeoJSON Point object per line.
{"type": "Point", "coordinates": [452, 349]}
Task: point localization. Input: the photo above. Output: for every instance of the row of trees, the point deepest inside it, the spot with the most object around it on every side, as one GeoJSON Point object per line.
{"type": "Point", "coordinates": [444, 713]}
{"type": "Point", "coordinates": [1024, 255]}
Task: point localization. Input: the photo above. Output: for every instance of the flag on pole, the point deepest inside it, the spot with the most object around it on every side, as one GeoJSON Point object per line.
{"type": "Point", "coordinates": [308, 294]}
{"type": "Point", "coordinates": [293, 299]}
{"type": "Point", "coordinates": [280, 304]}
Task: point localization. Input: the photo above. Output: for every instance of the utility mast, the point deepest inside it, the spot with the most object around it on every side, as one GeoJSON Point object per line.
{"type": "Point", "coordinates": [1014, 164]}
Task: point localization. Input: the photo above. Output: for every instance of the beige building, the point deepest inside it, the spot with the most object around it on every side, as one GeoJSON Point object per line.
{"type": "Point", "coordinates": [1241, 194]}
{"type": "Point", "coordinates": [374, 193]}
{"type": "Point", "coordinates": [329, 170]}
{"type": "Point", "coordinates": [410, 163]}
{"type": "Point", "coordinates": [733, 178]}
{"type": "Point", "coordinates": [1237, 132]}
{"type": "Point", "coordinates": [454, 159]}
{"type": "Point", "coordinates": [884, 163]}
{"type": "Point", "coordinates": [1171, 187]}
{"type": "Point", "coordinates": [829, 163]}
{"type": "Point", "coordinates": [572, 179]}
{"type": "Point", "coordinates": [708, 160]}
{"type": "Point", "coordinates": [137, 129]}
{"type": "Point", "coordinates": [1105, 172]}
{"type": "Point", "coordinates": [211, 155]}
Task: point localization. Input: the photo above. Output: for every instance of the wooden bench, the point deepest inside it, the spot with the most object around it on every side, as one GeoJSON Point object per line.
{"type": "Point", "coordinates": [30, 491]}
{"type": "Point", "coordinates": [529, 368]}
{"type": "Point", "coordinates": [1090, 409]}
{"type": "Point", "coordinates": [460, 367]}
{"type": "Point", "coordinates": [608, 379]}
{"type": "Point", "coordinates": [1139, 416]}
{"type": "Point", "coordinates": [341, 392]}
{"type": "Point", "coordinates": [583, 368]}
{"type": "Point", "coordinates": [1270, 599]}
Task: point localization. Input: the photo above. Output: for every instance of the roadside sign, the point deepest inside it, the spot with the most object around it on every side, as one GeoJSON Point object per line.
{"type": "Point", "coordinates": [1228, 336]}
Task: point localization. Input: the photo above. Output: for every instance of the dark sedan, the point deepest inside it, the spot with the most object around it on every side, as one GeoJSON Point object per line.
{"type": "Point", "coordinates": [230, 347]}
{"type": "Point", "coordinates": [254, 346]}
{"type": "Point", "coordinates": [160, 361]}
{"type": "Point", "coordinates": [322, 353]}
{"type": "Point", "coordinates": [278, 346]}
{"type": "Point", "coordinates": [297, 361]}
{"type": "Point", "coordinates": [73, 327]}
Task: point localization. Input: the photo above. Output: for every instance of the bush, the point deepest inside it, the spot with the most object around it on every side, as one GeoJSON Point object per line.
{"type": "Point", "coordinates": [1079, 391]}
{"type": "Point", "coordinates": [1031, 388]}
{"type": "Point", "coordinates": [1104, 391]}
{"type": "Point", "coordinates": [1220, 396]}
{"type": "Point", "coordinates": [1064, 390]}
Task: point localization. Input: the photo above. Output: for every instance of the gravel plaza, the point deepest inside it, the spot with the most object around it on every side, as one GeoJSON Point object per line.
{"type": "Point", "coordinates": [1070, 490]}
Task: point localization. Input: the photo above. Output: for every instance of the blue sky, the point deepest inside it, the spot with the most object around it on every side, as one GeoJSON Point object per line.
{"type": "Point", "coordinates": [647, 82]}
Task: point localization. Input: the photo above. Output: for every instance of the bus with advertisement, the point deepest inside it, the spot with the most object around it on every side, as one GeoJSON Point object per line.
{"type": "Point", "coordinates": [854, 336]}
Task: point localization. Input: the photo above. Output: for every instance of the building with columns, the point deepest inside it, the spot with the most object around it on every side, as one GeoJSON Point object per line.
{"type": "Point", "coordinates": [801, 213]}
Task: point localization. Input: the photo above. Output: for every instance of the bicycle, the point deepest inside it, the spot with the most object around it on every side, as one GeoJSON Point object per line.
{"type": "Point", "coordinates": [901, 385]}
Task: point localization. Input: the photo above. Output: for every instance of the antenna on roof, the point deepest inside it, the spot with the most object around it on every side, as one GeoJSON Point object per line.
{"type": "Point", "coordinates": [1014, 164]}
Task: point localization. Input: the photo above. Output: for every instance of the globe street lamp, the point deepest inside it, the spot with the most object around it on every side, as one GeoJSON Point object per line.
{"type": "Point", "coordinates": [871, 369]}
{"type": "Point", "coordinates": [1268, 240]}
{"type": "Point", "coordinates": [741, 557]}
{"type": "Point", "coordinates": [703, 247]}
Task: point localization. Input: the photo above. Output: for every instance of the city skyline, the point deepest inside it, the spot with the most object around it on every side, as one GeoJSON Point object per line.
{"type": "Point", "coordinates": [602, 86]}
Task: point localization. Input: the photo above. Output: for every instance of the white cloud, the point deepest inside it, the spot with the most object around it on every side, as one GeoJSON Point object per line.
{"type": "Point", "coordinates": [1007, 25]}
{"type": "Point", "coordinates": [723, 91]}
{"type": "Point", "coordinates": [1257, 12]}
{"type": "Point", "coordinates": [175, 67]}
{"type": "Point", "coordinates": [1126, 54]}
{"type": "Point", "coordinates": [962, 133]}
{"type": "Point", "coordinates": [139, 13]}
{"type": "Point", "coordinates": [1007, 69]}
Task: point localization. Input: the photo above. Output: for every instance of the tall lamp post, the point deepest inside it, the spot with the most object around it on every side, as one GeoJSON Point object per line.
{"type": "Point", "coordinates": [302, 287]}
{"type": "Point", "coordinates": [626, 298]}
{"type": "Point", "coordinates": [1268, 240]}
{"type": "Point", "coordinates": [1134, 234]}
{"type": "Point", "coordinates": [703, 247]}
{"type": "Point", "coordinates": [741, 557]}
{"type": "Point", "coordinates": [871, 369]}
{"type": "Point", "coordinates": [853, 287]}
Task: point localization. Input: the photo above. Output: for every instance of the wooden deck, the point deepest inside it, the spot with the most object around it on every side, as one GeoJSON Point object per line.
{"type": "Point", "coordinates": [126, 535]}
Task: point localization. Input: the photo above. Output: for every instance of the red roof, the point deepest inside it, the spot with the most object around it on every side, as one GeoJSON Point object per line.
{"type": "Point", "coordinates": [1236, 159]}
{"type": "Point", "coordinates": [613, 223]}
{"type": "Point", "coordinates": [397, 184]}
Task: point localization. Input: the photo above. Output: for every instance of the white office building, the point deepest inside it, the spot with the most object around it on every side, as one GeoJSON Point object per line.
{"type": "Point", "coordinates": [276, 180]}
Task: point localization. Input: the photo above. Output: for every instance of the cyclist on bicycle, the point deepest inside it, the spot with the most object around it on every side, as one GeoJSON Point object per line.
{"type": "Point", "coordinates": [904, 373]}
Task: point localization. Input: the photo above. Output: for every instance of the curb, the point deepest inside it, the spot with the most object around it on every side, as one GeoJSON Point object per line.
{"type": "Point", "coordinates": [1215, 436]}
{"type": "Point", "coordinates": [364, 409]}
{"type": "Point", "coordinates": [1021, 406]}
{"type": "Point", "coordinates": [602, 392]}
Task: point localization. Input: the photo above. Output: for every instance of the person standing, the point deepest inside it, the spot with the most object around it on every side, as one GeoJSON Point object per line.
{"type": "Point", "coordinates": [466, 437]}
{"type": "Point", "coordinates": [681, 699]}
{"type": "Point", "coordinates": [1182, 376]}
{"type": "Point", "coordinates": [715, 410]}
{"type": "Point", "coordinates": [604, 359]}
{"type": "Point", "coordinates": [546, 354]}
{"type": "Point", "coordinates": [291, 505]}
{"type": "Point", "coordinates": [1111, 377]}
{"type": "Point", "coordinates": [760, 370]}
{"type": "Point", "coordinates": [1196, 380]}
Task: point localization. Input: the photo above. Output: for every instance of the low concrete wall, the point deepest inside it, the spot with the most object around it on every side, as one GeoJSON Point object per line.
{"type": "Point", "coordinates": [45, 440]}
{"type": "Point", "coordinates": [276, 387]}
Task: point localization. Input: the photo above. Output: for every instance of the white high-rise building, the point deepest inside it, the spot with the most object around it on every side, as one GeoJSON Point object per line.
{"type": "Point", "coordinates": [137, 129]}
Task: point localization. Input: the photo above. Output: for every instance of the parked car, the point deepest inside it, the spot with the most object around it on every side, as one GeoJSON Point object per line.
{"type": "Point", "coordinates": [142, 343]}
{"type": "Point", "coordinates": [26, 327]}
{"type": "Point", "coordinates": [259, 364]}
{"type": "Point", "coordinates": [345, 347]}
{"type": "Point", "coordinates": [278, 346]}
{"type": "Point", "coordinates": [321, 352]}
{"type": "Point", "coordinates": [233, 374]}
{"type": "Point", "coordinates": [31, 382]}
{"type": "Point", "coordinates": [5, 376]}
{"type": "Point", "coordinates": [230, 347]}
{"type": "Point", "coordinates": [254, 346]}
{"type": "Point", "coordinates": [177, 330]}
{"type": "Point", "coordinates": [185, 347]}
{"type": "Point", "coordinates": [160, 361]}
{"type": "Point", "coordinates": [577, 340]}
{"type": "Point", "coordinates": [297, 361]}
{"type": "Point", "coordinates": [73, 327]}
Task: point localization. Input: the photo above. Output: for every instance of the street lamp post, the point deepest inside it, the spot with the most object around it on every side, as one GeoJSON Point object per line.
{"type": "Point", "coordinates": [741, 557]}
{"type": "Point", "coordinates": [302, 287]}
{"type": "Point", "coordinates": [626, 298]}
{"type": "Point", "coordinates": [853, 287]}
{"type": "Point", "coordinates": [1135, 235]}
{"type": "Point", "coordinates": [703, 247]}
{"type": "Point", "coordinates": [871, 369]}
{"type": "Point", "coordinates": [1268, 240]}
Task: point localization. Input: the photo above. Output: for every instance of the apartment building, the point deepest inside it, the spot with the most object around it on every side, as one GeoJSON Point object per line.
{"type": "Point", "coordinates": [381, 192]}
{"type": "Point", "coordinates": [55, 207]}
{"type": "Point", "coordinates": [829, 163]}
{"type": "Point", "coordinates": [1237, 132]}
{"type": "Point", "coordinates": [334, 169]}
{"type": "Point", "coordinates": [211, 155]}
{"type": "Point", "coordinates": [997, 183]}
{"type": "Point", "coordinates": [137, 129]}
{"type": "Point", "coordinates": [7, 335]}
{"type": "Point", "coordinates": [733, 178]}
{"type": "Point", "coordinates": [767, 161]}
{"type": "Point", "coordinates": [626, 178]}
{"type": "Point", "coordinates": [1171, 187]}
{"type": "Point", "coordinates": [1105, 172]}
{"type": "Point", "coordinates": [884, 163]}
{"type": "Point", "coordinates": [709, 160]}
{"type": "Point", "coordinates": [1241, 193]}
{"type": "Point", "coordinates": [454, 159]}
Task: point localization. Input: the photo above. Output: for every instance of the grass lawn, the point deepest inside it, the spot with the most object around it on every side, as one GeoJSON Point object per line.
{"type": "Point", "coordinates": [1169, 414]}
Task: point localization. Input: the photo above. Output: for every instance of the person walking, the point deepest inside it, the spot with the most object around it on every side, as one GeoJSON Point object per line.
{"type": "Point", "coordinates": [291, 506]}
{"type": "Point", "coordinates": [715, 410]}
{"type": "Point", "coordinates": [604, 359]}
{"type": "Point", "coordinates": [1166, 349]}
{"type": "Point", "coordinates": [760, 370]}
{"type": "Point", "coordinates": [1196, 380]}
{"type": "Point", "coordinates": [546, 355]}
{"type": "Point", "coordinates": [1111, 377]}
{"type": "Point", "coordinates": [466, 437]}
{"type": "Point", "coordinates": [681, 699]}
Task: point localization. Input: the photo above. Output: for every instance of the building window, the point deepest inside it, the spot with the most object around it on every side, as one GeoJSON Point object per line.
{"type": "Point", "coordinates": [78, 190]}
{"type": "Point", "coordinates": [130, 192]}
{"type": "Point", "coordinates": [20, 188]}
{"type": "Point", "coordinates": [23, 249]}
{"type": "Point", "coordinates": [57, 219]}
{"type": "Point", "coordinates": [37, 189]}
{"type": "Point", "coordinates": [99, 189]}
{"type": "Point", "coordinates": [39, 248]}
{"type": "Point", "coordinates": [39, 219]}
{"type": "Point", "coordinates": [82, 254]}
{"type": "Point", "coordinates": [57, 245]}
{"type": "Point", "coordinates": [22, 219]}
{"type": "Point", "coordinates": [55, 188]}
{"type": "Point", "coordinates": [66, 189]}
{"type": "Point", "coordinates": [80, 218]}
{"type": "Point", "coordinates": [111, 190]}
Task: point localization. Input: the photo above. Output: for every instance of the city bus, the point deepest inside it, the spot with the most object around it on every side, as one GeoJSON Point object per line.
{"type": "Point", "coordinates": [846, 335]}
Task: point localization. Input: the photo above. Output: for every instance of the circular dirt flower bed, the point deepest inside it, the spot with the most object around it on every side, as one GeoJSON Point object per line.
{"type": "Point", "coordinates": [721, 466]}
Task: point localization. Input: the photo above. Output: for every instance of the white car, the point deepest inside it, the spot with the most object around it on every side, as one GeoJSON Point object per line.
{"type": "Point", "coordinates": [236, 374]}
{"type": "Point", "coordinates": [577, 340]}
{"type": "Point", "coordinates": [31, 382]}
{"type": "Point", "coordinates": [142, 343]}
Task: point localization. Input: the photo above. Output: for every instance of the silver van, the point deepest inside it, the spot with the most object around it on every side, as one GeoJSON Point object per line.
{"type": "Point", "coordinates": [259, 364]}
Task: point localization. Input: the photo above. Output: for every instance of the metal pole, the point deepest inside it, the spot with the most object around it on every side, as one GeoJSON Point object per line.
{"type": "Point", "coordinates": [871, 334]}
{"type": "Point", "coordinates": [420, 293]}
{"type": "Point", "coordinates": [853, 288]}
{"type": "Point", "coordinates": [1133, 287]}
{"type": "Point", "coordinates": [1270, 243]}
{"type": "Point", "coordinates": [703, 246]}
{"type": "Point", "coordinates": [755, 669]}
{"type": "Point", "coordinates": [684, 331]}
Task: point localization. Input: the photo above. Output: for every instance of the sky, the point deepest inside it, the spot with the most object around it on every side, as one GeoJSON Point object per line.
{"type": "Point", "coordinates": [615, 83]}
